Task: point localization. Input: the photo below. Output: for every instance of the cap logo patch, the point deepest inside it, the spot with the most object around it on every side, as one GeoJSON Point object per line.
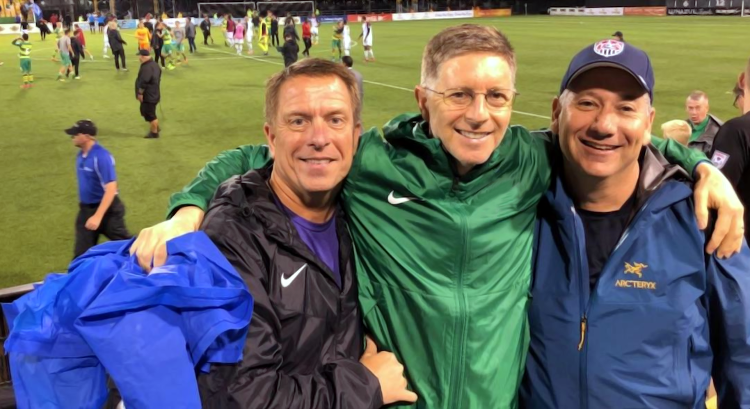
{"type": "Point", "coordinates": [609, 48]}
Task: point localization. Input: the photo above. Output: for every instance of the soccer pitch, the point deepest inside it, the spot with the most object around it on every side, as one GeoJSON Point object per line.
{"type": "Point", "coordinates": [216, 103]}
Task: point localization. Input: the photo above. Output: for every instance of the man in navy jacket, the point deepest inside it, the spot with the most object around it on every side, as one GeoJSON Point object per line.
{"type": "Point", "coordinates": [627, 310]}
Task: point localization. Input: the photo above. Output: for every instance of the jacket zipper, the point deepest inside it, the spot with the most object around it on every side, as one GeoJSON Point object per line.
{"type": "Point", "coordinates": [583, 280]}
{"type": "Point", "coordinates": [458, 367]}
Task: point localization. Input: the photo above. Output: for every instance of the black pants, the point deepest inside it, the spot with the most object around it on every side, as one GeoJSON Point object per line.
{"type": "Point", "coordinates": [308, 44]}
{"type": "Point", "coordinates": [119, 55]}
{"type": "Point", "coordinates": [76, 61]}
{"type": "Point", "coordinates": [191, 41]}
{"type": "Point", "coordinates": [275, 38]}
{"type": "Point", "coordinates": [157, 50]}
{"type": "Point", "coordinates": [206, 34]}
{"type": "Point", "coordinates": [112, 226]}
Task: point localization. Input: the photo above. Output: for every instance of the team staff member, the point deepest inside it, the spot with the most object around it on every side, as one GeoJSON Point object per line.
{"type": "Point", "coordinates": [206, 29]}
{"type": "Point", "coordinates": [452, 307]}
{"type": "Point", "coordinates": [100, 209]}
{"type": "Point", "coordinates": [116, 43]}
{"type": "Point", "coordinates": [190, 34]}
{"type": "Point", "coordinates": [306, 37]}
{"type": "Point", "coordinates": [731, 151]}
{"type": "Point", "coordinates": [147, 91]}
{"type": "Point", "coordinates": [282, 229]}
{"type": "Point", "coordinates": [627, 311]}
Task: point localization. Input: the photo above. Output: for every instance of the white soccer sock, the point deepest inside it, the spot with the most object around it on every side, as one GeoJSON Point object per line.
{"type": "Point", "coordinates": [372, 54]}
{"type": "Point", "coordinates": [346, 52]}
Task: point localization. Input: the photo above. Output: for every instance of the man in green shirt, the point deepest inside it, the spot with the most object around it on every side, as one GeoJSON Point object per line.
{"type": "Point", "coordinates": [442, 216]}
{"type": "Point", "coordinates": [704, 125]}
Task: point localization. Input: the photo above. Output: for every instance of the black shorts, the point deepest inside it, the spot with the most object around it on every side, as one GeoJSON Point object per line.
{"type": "Point", "coordinates": [148, 111]}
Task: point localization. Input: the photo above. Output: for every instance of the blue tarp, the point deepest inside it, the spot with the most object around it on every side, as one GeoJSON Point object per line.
{"type": "Point", "coordinates": [148, 332]}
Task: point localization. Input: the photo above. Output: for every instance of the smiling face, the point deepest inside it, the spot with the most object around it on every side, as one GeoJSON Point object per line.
{"type": "Point", "coordinates": [313, 135]}
{"type": "Point", "coordinates": [603, 120]}
{"type": "Point", "coordinates": [470, 134]}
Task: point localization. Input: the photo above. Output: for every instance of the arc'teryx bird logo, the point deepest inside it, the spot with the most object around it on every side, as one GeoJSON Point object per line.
{"type": "Point", "coordinates": [635, 268]}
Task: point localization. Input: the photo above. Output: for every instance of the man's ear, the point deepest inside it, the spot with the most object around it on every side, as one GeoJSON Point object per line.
{"type": "Point", "coordinates": [742, 80]}
{"type": "Point", "coordinates": [555, 119]}
{"type": "Point", "coordinates": [270, 138]}
{"type": "Point", "coordinates": [421, 96]}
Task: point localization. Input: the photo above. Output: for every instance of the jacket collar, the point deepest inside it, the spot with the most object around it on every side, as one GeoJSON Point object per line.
{"type": "Point", "coordinates": [411, 132]}
{"type": "Point", "coordinates": [254, 199]}
{"type": "Point", "coordinates": [655, 174]}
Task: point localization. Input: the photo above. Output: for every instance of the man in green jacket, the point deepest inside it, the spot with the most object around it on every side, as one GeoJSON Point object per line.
{"type": "Point", "coordinates": [442, 217]}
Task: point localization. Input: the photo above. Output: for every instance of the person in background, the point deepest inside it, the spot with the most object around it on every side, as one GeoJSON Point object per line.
{"type": "Point", "coordinates": [24, 56]}
{"type": "Point", "coordinates": [157, 42]}
{"type": "Point", "coordinates": [618, 35]}
{"type": "Point", "coordinates": [64, 49]}
{"type": "Point", "coordinates": [306, 37]}
{"type": "Point", "coordinates": [190, 34]}
{"type": "Point", "coordinates": [78, 33]}
{"type": "Point", "coordinates": [75, 56]}
{"type": "Point", "coordinates": [100, 210]}
{"type": "Point", "coordinates": [731, 148]}
{"type": "Point", "coordinates": [678, 130]}
{"type": "Point", "coordinates": [239, 37]}
{"type": "Point", "coordinates": [274, 30]}
{"type": "Point", "coordinates": [290, 51]}
{"type": "Point", "coordinates": [249, 33]}
{"type": "Point", "coordinates": [143, 35]}
{"type": "Point", "coordinates": [178, 41]}
{"type": "Point", "coordinates": [348, 62]}
{"type": "Point", "coordinates": [704, 125]}
{"type": "Point", "coordinates": [148, 91]}
{"type": "Point", "coordinates": [290, 27]}
{"type": "Point", "coordinates": [117, 43]}
{"type": "Point", "coordinates": [206, 29]}
{"type": "Point", "coordinates": [92, 24]}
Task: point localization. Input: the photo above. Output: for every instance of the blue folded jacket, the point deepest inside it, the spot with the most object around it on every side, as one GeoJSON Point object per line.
{"type": "Point", "coordinates": [149, 332]}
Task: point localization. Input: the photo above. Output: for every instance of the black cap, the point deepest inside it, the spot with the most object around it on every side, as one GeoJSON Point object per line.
{"type": "Point", "coordinates": [144, 53]}
{"type": "Point", "coordinates": [616, 54]}
{"type": "Point", "coordinates": [83, 126]}
{"type": "Point", "coordinates": [617, 34]}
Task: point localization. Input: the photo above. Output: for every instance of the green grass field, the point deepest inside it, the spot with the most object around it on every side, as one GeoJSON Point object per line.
{"type": "Point", "coordinates": [215, 103]}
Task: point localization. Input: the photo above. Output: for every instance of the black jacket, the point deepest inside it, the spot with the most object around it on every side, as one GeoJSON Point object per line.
{"type": "Point", "coordinates": [148, 81]}
{"type": "Point", "coordinates": [76, 46]}
{"type": "Point", "coordinates": [115, 40]}
{"type": "Point", "coordinates": [274, 26]}
{"type": "Point", "coordinates": [289, 29]}
{"type": "Point", "coordinates": [705, 142]}
{"type": "Point", "coordinates": [206, 26]}
{"type": "Point", "coordinates": [306, 334]}
{"type": "Point", "coordinates": [290, 51]}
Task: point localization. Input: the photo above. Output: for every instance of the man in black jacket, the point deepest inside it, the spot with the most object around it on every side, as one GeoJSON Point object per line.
{"type": "Point", "coordinates": [290, 50]}
{"type": "Point", "coordinates": [206, 29]}
{"type": "Point", "coordinates": [282, 229]}
{"type": "Point", "coordinates": [274, 30]}
{"type": "Point", "coordinates": [147, 91]}
{"type": "Point", "coordinates": [116, 44]}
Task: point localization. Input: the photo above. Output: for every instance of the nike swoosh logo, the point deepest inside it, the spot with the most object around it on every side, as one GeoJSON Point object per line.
{"type": "Point", "coordinates": [286, 281]}
{"type": "Point", "coordinates": [399, 200]}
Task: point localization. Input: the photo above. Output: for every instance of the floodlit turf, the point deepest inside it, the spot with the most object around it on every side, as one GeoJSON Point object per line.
{"type": "Point", "coordinates": [216, 103]}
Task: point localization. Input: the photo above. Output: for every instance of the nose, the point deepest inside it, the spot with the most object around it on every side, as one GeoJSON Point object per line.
{"type": "Point", "coordinates": [477, 113]}
{"type": "Point", "coordinates": [604, 125]}
{"type": "Point", "coordinates": [319, 137]}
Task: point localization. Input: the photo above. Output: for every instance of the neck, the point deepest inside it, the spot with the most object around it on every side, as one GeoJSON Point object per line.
{"type": "Point", "coordinates": [600, 194]}
{"type": "Point", "coordinates": [87, 146]}
{"type": "Point", "coordinates": [314, 207]}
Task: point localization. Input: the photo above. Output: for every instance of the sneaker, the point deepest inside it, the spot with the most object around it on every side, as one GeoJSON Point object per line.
{"type": "Point", "coordinates": [124, 69]}
{"type": "Point", "coordinates": [106, 56]}
{"type": "Point", "coordinates": [170, 67]}
{"type": "Point", "coordinates": [151, 135]}
{"type": "Point", "coordinates": [77, 78]}
{"type": "Point", "coordinates": [92, 57]}
{"type": "Point", "coordinates": [1, 63]}
{"type": "Point", "coordinates": [61, 79]}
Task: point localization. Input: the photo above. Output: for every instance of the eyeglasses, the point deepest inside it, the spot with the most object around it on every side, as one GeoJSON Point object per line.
{"type": "Point", "coordinates": [459, 98]}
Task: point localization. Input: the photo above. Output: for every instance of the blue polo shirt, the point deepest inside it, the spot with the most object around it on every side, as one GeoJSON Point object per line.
{"type": "Point", "coordinates": [95, 170]}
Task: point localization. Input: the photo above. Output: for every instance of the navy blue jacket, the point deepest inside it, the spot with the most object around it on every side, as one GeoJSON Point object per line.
{"type": "Point", "coordinates": [663, 318]}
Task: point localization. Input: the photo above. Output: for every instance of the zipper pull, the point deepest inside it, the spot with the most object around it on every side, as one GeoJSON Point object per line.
{"type": "Point", "coordinates": [583, 333]}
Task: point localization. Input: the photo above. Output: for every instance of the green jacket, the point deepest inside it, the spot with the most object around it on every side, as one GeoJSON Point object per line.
{"type": "Point", "coordinates": [443, 262]}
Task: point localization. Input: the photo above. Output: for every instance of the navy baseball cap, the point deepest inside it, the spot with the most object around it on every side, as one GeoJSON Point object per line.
{"type": "Point", "coordinates": [83, 126]}
{"type": "Point", "coordinates": [615, 54]}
